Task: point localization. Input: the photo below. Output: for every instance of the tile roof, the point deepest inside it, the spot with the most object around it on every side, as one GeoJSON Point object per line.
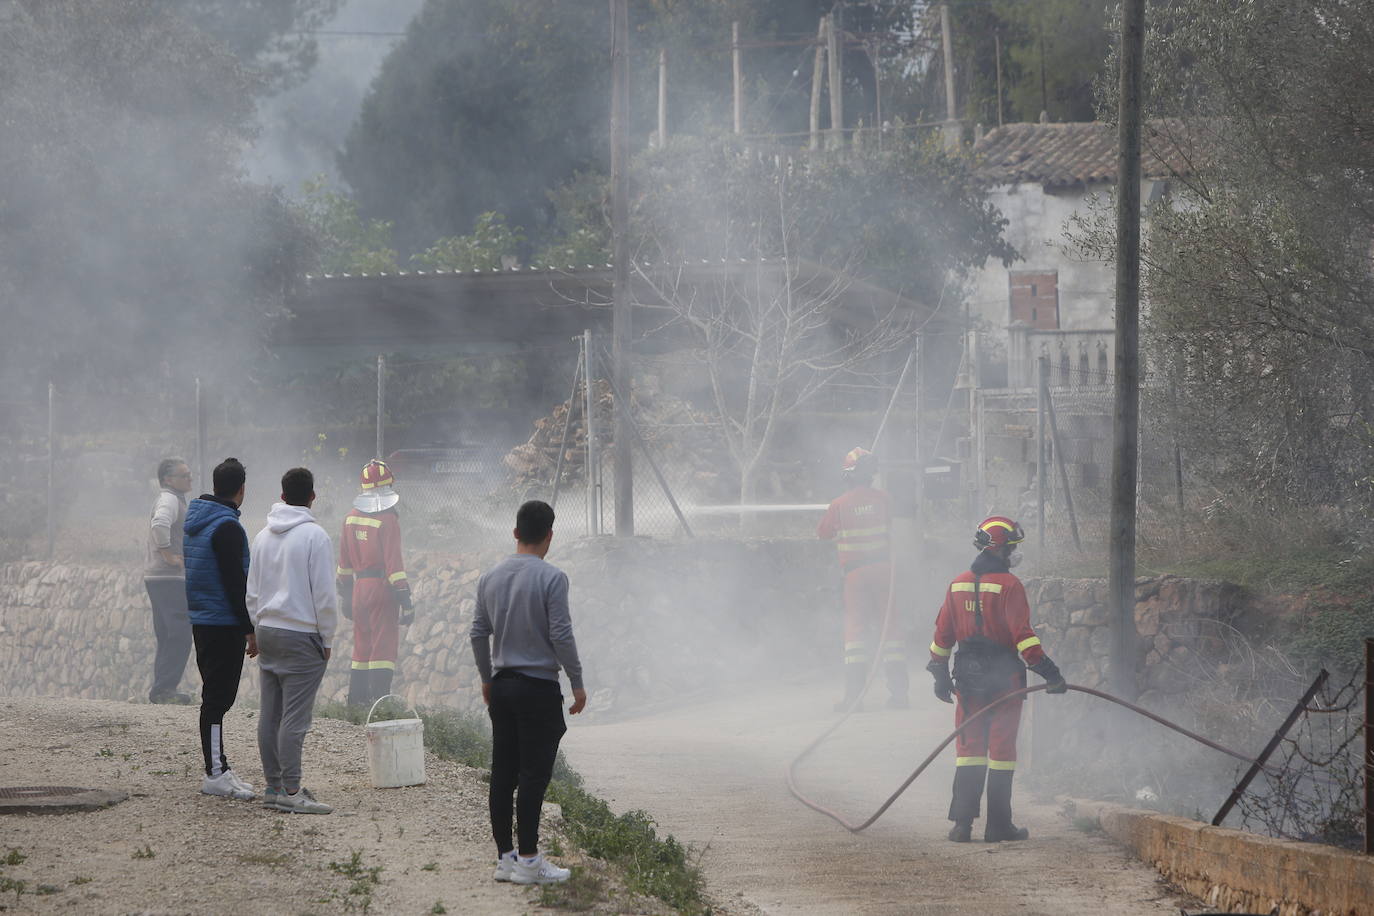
{"type": "Point", "coordinates": [1062, 155]}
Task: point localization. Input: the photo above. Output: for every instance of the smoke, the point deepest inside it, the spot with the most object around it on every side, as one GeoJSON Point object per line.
{"type": "Point", "coordinates": [303, 128]}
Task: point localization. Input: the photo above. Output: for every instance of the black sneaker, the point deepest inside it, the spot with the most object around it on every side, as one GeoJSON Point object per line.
{"type": "Point", "coordinates": [1009, 833]}
{"type": "Point", "coordinates": [171, 699]}
{"type": "Point", "coordinates": [961, 832]}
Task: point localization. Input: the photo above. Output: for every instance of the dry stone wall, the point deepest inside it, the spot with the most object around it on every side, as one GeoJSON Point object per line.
{"type": "Point", "coordinates": [655, 620]}
{"type": "Point", "coordinates": [1180, 624]}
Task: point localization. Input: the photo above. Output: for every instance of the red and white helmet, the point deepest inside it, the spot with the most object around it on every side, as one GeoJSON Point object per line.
{"type": "Point", "coordinates": [997, 531]}
{"type": "Point", "coordinates": [859, 460]}
{"type": "Point", "coordinates": [377, 494]}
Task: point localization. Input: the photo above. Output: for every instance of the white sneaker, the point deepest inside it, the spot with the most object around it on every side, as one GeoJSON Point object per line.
{"type": "Point", "coordinates": [538, 870]}
{"type": "Point", "coordinates": [302, 802]}
{"type": "Point", "coordinates": [226, 785]}
{"type": "Point", "coordinates": [505, 866]}
{"type": "Point", "coordinates": [235, 778]}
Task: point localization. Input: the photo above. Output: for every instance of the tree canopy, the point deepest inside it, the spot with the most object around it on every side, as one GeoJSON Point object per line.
{"type": "Point", "coordinates": [127, 228]}
{"type": "Point", "coordinates": [271, 37]}
{"type": "Point", "coordinates": [489, 105]}
{"type": "Point", "coordinates": [1260, 275]}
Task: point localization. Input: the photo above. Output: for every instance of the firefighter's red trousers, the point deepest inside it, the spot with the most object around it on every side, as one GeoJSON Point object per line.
{"type": "Point", "coordinates": [867, 616]}
{"type": "Point", "coordinates": [991, 741]}
{"type": "Point", "coordinates": [376, 625]}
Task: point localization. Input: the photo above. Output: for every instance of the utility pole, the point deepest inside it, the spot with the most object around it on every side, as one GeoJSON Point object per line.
{"type": "Point", "coordinates": [620, 260]}
{"type": "Point", "coordinates": [997, 45]}
{"type": "Point", "coordinates": [817, 80]}
{"type": "Point", "coordinates": [834, 76]}
{"type": "Point", "coordinates": [1121, 567]}
{"type": "Point", "coordinates": [951, 128]}
{"type": "Point", "coordinates": [381, 404]}
{"type": "Point", "coordinates": [737, 67]}
{"type": "Point", "coordinates": [662, 97]}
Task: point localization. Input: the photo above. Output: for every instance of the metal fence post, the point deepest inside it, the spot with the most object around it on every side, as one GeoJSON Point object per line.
{"type": "Point", "coordinates": [52, 467]}
{"type": "Point", "coordinates": [381, 402]}
{"type": "Point", "coordinates": [201, 448]}
{"type": "Point", "coordinates": [1041, 463]}
{"type": "Point", "coordinates": [1369, 745]}
{"type": "Point", "coordinates": [593, 468]}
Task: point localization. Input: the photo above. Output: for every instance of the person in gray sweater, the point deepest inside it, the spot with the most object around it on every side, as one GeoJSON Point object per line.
{"type": "Point", "coordinates": [521, 634]}
{"type": "Point", "coordinates": [165, 580]}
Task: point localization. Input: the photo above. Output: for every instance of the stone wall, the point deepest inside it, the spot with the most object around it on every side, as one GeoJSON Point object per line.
{"type": "Point", "coordinates": [1239, 872]}
{"type": "Point", "coordinates": [655, 620]}
{"type": "Point", "coordinates": [1179, 622]}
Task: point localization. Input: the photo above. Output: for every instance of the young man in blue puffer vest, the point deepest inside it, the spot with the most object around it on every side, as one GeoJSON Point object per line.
{"type": "Point", "coordinates": [216, 551]}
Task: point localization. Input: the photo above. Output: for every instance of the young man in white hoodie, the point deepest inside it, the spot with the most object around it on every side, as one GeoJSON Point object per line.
{"type": "Point", "coordinates": [292, 600]}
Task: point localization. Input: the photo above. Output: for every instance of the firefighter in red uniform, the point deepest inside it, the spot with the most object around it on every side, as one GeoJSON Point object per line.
{"type": "Point", "coordinates": [372, 584]}
{"type": "Point", "coordinates": [858, 523]}
{"type": "Point", "coordinates": [987, 617]}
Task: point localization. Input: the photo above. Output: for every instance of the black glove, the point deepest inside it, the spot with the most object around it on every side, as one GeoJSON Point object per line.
{"type": "Point", "coordinates": [407, 609]}
{"type": "Point", "coordinates": [346, 604]}
{"type": "Point", "coordinates": [944, 684]}
{"type": "Point", "coordinates": [1050, 672]}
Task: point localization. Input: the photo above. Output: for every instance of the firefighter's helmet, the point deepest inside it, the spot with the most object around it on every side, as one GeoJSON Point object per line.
{"type": "Point", "coordinates": [377, 483]}
{"type": "Point", "coordinates": [998, 531]}
{"type": "Point", "coordinates": [859, 462]}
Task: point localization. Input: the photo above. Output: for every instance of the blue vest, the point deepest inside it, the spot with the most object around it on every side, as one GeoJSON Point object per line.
{"type": "Point", "coordinates": [205, 594]}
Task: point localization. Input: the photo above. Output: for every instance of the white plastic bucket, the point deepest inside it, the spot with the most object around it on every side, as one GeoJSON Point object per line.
{"type": "Point", "coordinates": [395, 750]}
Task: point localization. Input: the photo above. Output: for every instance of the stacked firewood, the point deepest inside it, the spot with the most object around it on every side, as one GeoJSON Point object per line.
{"type": "Point", "coordinates": [680, 438]}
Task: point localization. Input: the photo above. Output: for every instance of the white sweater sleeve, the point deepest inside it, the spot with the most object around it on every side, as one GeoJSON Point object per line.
{"type": "Point", "coordinates": [322, 586]}
{"type": "Point", "coordinates": [253, 592]}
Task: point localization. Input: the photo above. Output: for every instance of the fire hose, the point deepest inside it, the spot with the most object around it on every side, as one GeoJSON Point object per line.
{"type": "Point", "coordinates": [1005, 698]}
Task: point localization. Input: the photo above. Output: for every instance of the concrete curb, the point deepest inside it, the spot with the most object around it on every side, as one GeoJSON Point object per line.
{"type": "Point", "coordinates": [1237, 871]}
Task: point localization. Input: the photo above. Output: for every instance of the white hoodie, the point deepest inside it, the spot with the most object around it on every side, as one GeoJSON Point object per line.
{"type": "Point", "coordinates": [291, 575]}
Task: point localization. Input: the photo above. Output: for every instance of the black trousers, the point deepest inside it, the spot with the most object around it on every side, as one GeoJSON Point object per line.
{"type": "Point", "coordinates": [219, 656]}
{"type": "Point", "coordinates": [526, 726]}
{"type": "Point", "coordinates": [172, 627]}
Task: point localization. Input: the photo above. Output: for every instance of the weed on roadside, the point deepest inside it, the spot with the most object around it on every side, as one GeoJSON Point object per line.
{"type": "Point", "coordinates": [145, 853]}
{"type": "Point", "coordinates": [582, 892]}
{"type": "Point", "coordinates": [14, 857]}
{"type": "Point", "coordinates": [1088, 825]}
{"type": "Point", "coordinates": [364, 880]}
{"type": "Point", "coordinates": [438, 907]}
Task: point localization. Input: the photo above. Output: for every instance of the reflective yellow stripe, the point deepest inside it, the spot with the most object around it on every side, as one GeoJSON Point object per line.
{"type": "Point", "coordinates": [344, 572]}
{"type": "Point", "coordinates": [358, 520]}
{"type": "Point", "coordinates": [970, 761]}
{"type": "Point", "coordinates": [872, 545]}
{"type": "Point", "coordinates": [991, 587]}
{"type": "Point", "coordinates": [862, 532]}
{"type": "Point", "coordinates": [853, 645]}
{"type": "Point", "coordinates": [396, 577]}
{"type": "Point", "coordinates": [939, 650]}
{"type": "Point", "coordinates": [1025, 644]}
{"type": "Point", "coordinates": [1001, 764]}
{"type": "Point", "coordinates": [373, 666]}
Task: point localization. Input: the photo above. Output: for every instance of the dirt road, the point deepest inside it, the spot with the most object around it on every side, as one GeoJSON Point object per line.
{"type": "Point", "coordinates": [170, 850]}
{"type": "Point", "coordinates": [713, 775]}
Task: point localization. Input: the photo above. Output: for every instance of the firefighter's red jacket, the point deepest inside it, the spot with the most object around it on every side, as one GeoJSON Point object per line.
{"type": "Point", "coordinates": [858, 522]}
{"type": "Point", "coordinates": [1006, 616]}
{"type": "Point", "coordinates": [370, 547]}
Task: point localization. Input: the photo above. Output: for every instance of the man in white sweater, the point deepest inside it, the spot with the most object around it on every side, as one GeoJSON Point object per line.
{"type": "Point", "coordinates": [292, 600]}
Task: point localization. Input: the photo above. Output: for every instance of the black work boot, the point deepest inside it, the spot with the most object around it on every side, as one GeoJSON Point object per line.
{"type": "Point", "coordinates": [381, 683]}
{"type": "Point", "coordinates": [966, 802]}
{"type": "Point", "coordinates": [999, 827]}
{"type": "Point", "coordinates": [359, 687]}
{"type": "Point", "coordinates": [854, 676]}
{"type": "Point", "coordinates": [898, 685]}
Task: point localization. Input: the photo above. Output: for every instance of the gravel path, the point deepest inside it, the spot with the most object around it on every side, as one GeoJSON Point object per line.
{"type": "Point", "coordinates": [171, 850]}
{"type": "Point", "coordinates": [713, 775]}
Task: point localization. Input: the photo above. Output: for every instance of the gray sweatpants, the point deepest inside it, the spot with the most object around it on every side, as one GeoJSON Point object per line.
{"type": "Point", "coordinates": [292, 666]}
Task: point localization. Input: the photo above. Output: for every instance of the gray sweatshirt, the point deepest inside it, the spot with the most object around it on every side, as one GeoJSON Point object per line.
{"type": "Point", "coordinates": [169, 515]}
{"type": "Point", "coordinates": [522, 622]}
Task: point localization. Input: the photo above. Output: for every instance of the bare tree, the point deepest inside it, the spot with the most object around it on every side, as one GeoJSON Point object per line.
{"type": "Point", "coordinates": [771, 335]}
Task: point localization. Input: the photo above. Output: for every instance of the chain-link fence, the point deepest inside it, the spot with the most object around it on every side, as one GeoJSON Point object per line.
{"type": "Point", "coordinates": [1055, 446]}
